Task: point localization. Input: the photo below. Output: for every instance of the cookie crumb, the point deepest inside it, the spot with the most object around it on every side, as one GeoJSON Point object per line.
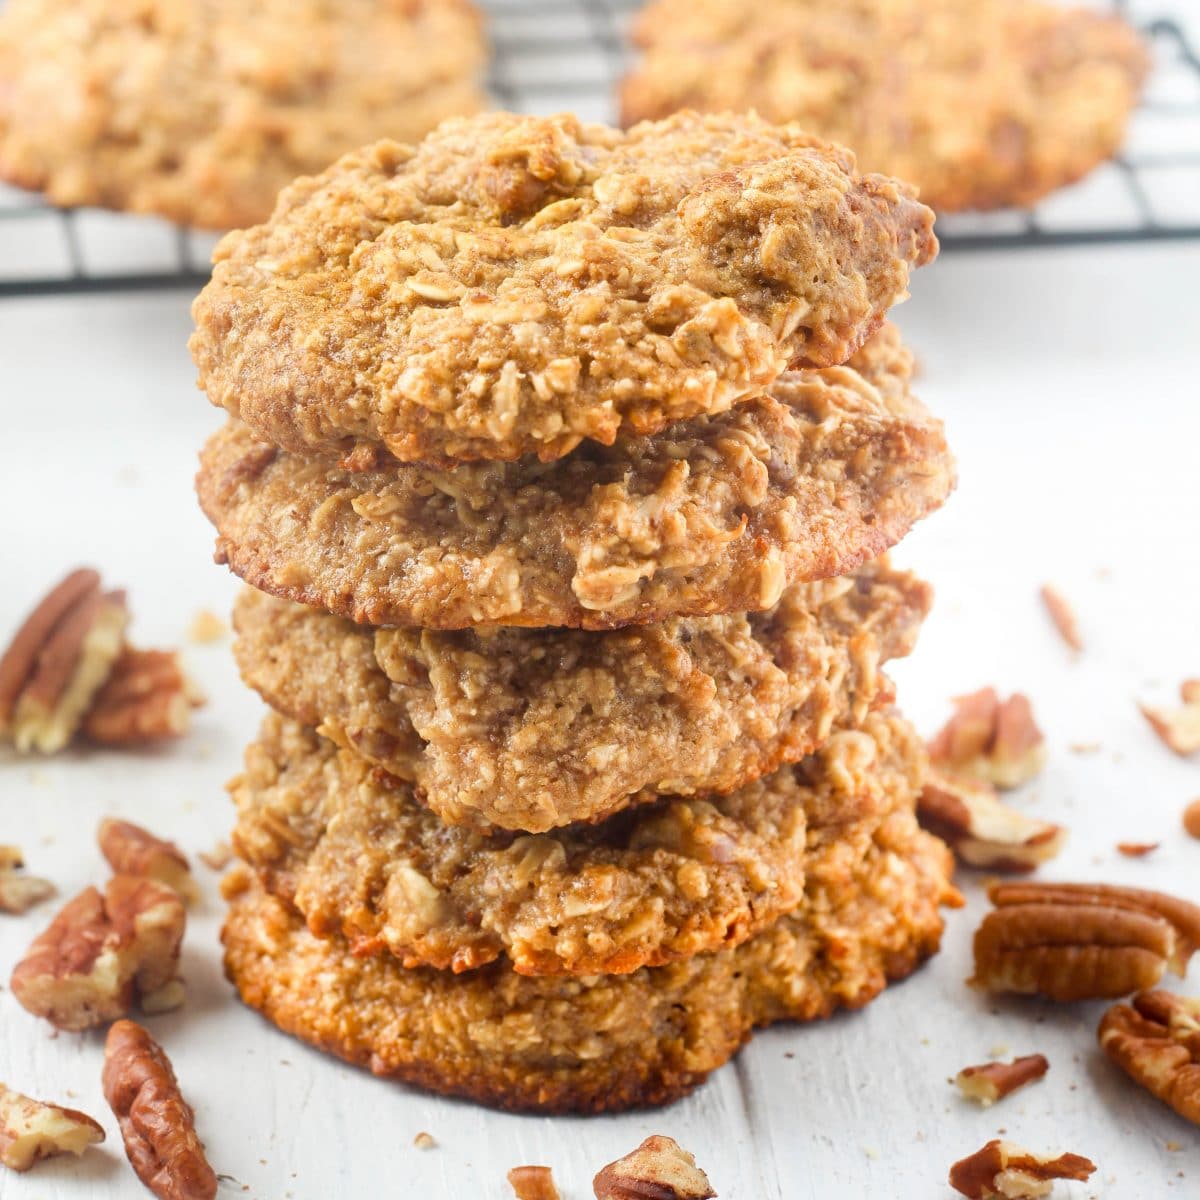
{"type": "Point", "coordinates": [533, 1183]}
{"type": "Point", "coordinates": [424, 1141]}
{"type": "Point", "coordinates": [206, 628]}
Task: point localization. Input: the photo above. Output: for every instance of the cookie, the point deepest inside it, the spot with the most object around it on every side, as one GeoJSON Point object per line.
{"type": "Point", "coordinates": [201, 112]}
{"type": "Point", "coordinates": [714, 515]}
{"type": "Point", "coordinates": [532, 729]}
{"type": "Point", "coordinates": [356, 853]}
{"type": "Point", "coordinates": [981, 105]}
{"type": "Point", "coordinates": [602, 1043]}
{"type": "Point", "coordinates": [516, 285]}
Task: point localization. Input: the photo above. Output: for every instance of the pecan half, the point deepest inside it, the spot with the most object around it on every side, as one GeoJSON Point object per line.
{"type": "Point", "coordinates": [131, 850]}
{"type": "Point", "coordinates": [659, 1169]}
{"type": "Point", "coordinates": [20, 892]}
{"type": "Point", "coordinates": [1156, 1041]}
{"type": "Point", "coordinates": [157, 1124]}
{"type": "Point", "coordinates": [58, 661]}
{"type": "Point", "coordinates": [1179, 728]}
{"type": "Point", "coordinates": [103, 953]}
{"type": "Point", "coordinates": [1002, 1171]}
{"type": "Point", "coordinates": [533, 1183]}
{"type": "Point", "coordinates": [31, 1130]}
{"type": "Point", "coordinates": [1077, 941]}
{"type": "Point", "coordinates": [147, 698]}
{"type": "Point", "coordinates": [983, 832]}
{"type": "Point", "coordinates": [995, 740]}
{"type": "Point", "coordinates": [992, 1081]}
{"type": "Point", "coordinates": [1063, 616]}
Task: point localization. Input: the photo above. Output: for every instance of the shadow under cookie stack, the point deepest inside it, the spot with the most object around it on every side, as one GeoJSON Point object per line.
{"type": "Point", "coordinates": [562, 460]}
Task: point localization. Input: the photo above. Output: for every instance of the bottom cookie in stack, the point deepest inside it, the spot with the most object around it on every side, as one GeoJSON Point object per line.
{"type": "Point", "coordinates": [845, 900]}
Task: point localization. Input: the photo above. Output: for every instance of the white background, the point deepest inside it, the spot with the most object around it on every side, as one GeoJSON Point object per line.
{"type": "Point", "coordinates": [1068, 382]}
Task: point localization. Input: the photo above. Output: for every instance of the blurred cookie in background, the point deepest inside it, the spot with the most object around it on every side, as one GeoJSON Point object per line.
{"type": "Point", "coordinates": [981, 103]}
{"type": "Point", "coordinates": [201, 112]}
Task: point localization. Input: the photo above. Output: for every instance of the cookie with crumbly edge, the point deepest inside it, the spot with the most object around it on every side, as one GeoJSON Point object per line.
{"type": "Point", "coordinates": [532, 729]}
{"type": "Point", "coordinates": [980, 105]}
{"type": "Point", "coordinates": [357, 854]}
{"type": "Point", "coordinates": [202, 112]}
{"type": "Point", "coordinates": [517, 285]}
{"type": "Point", "coordinates": [714, 515]}
{"type": "Point", "coordinates": [604, 1043]}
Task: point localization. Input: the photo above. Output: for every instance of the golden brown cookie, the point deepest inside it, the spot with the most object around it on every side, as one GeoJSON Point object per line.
{"type": "Point", "coordinates": [980, 103]}
{"type": "Point", "coordinates": [356, 853]}
{"type": "Point", "coordinates": [714, 515]}
{"type": "Point", "coordinates": [516, 285]}
{"type": "Point", "coordinates": [602, 1043]}
{"type": "Point", "coordinates": [201, 112]}
{"type": "Point", "coordinates": [531, 729]}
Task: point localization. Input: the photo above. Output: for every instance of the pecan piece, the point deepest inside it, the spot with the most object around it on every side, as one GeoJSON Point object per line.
{"type": "Point", "coordinates": [31, 1130]}
{"type": "Point", "coordinates": [20, 892]}
{"type": "Point", "coordinates": [533, 1183]}
{"type": "Point", "coordinates": [659, 1169]}
{"type": "Point", "coordinates": [967, 815]}
{"type": "Point", "coordinates": [147, 698]}
{"type": "Point", "coordinates": [1063, 616]}
{"type": "Point", "coordinates": [1002, 1171]}
{"type": "Point", "coordinates": [103, 953]}
{"type": "Point", "coordinates": [1156, 1041]}
{"type": "Point", "coordinates": [1179, 728]}
{"type": "Point", "coordinates": [1077, 941]}
{"type": "Point", "coordinates": [157, 1124]}
{"type": "Point", "coordinates": [1191, 818]}
{"type": "Point", "coordinates": [992, 1081]}
{"type": "Point", "coordinates": [995, 740]}
{"type": "Point", "coordinates": [131, 850]}
{"type": "Point", "coordinates": [58, 661]}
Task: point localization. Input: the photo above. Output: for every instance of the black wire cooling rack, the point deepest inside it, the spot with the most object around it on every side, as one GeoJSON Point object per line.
{"type": "Point", "coordinates": [554, 55]}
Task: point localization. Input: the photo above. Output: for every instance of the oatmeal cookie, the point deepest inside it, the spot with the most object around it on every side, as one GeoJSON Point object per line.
{"type": "Point", "coordinates": [515, 285]}
{"type": "Point", "coordinates": [201, 112]}
{"type": "Point", "coordinates": [606, 1042]}
{"type": "Point", "coordinates": [531, 729]}
{"type": "Point", "coordinates": [356, 853]}
{"type": "Point", "coordinates": [714, 515]}
{"type": "Point", "coordinates": [980, 103]}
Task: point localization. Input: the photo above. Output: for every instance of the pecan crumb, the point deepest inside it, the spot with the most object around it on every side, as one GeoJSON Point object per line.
{"type": "Point", "coordinates": [206, 627]}
{"type": "Point", "coordinates": [995, 740]}
{"type": "Point", "coordinates": [31, 1130]}
{"type": "Point", "coordinates": [218, 858]}
{"type": "Point", "coordinates": [1191, 818]}
{"type": "Point", "coordinates": [20, 892]}
{"type": "Point", "coordinates": [533, 1183]}
{"type": "Point", "coordinates": [992, 1081]}
{"type": "Point", "coordinates": [1137, 849]}
{"type": "Point", "coordinates": [1002, 1171]}
{"type": "Point", "coordinates": [424, 1141]}
{"type": "Point", "coordinates": [1179, 728]}
{"type": "Point", "coordinates": [1063, 616]}
{"type": "Point", "coordinates": [659, 1168]}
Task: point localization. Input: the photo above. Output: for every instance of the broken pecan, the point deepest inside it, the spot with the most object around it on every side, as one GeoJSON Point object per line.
{"type": "Point", "coordinates": [1156, 1041]}
{"type": "Point", "coordinates": [992, 1081]}
{"type": "Point", "coordinates": [983, 832]}
{"type": "Point", "coordinates": [1179, 728]}
{"type": "Point", "coordinates": [1002, 1171]}
{"type": "Point", "coordinates": [58, 661]}
{"type": "Point", "coordinates": [533, 1183]}
{"type": "Point", "coordinates": [1137, 849]}
{"type": "Point", "coordinates": [103, 953]}
{"type": "Point", "coordinates": [1191, 818]}
{"type": "Point", "coordinates": [147, 698]}
{"type": "Point", "coordinates": [157, 1124]}
{"type": "Point", "coordinates": [1063, 616]}
{"type": "Point", "coordinates": [132, 850]}
{"type": "Point", "coordinates": [31, 1130]}
{"type": "Point", "coordinates": [20, 892]}
{"type": "Point", "coordinates": [659, 1169]}
{"type": "Point", "coordinates": [995, 740]}
{"type": "Point", "coordinates": [1077, 941]}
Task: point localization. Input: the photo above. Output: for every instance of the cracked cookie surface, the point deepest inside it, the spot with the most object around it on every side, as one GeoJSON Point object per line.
{"type": "Point", "coordinates": [515, 285]}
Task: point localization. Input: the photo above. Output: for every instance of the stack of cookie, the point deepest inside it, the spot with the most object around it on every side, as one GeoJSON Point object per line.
{"type": "Point", "coordinates": [562, 460]}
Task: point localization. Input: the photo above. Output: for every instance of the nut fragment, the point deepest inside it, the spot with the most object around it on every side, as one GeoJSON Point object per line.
{"type": "Point", "coordinates": [1137, 849]}
{"type": "Point", "coordinates": [1156, 1041]}
{"type": "Point", "coordinates": [132, 850]}
{"type": "Point", "coordinates": [1002, 1171]}
{"type": "Point", "coordinates": [983, 832]}
{"type": "Point", "coordinates": [424, 1141]}
{"type": "Point", "coordinates": [218, 858]}
{"type": "Point", "coordinates": [1075, 941]}
{"type": "Point", "coordinates": [995, 740]}
{"type": "Point", "coordinates": [206, 627]}
{"type": "Point", "coordinates": [1179, 728]}
{"type": "Point", "coordinates": [157, 1124]}
{"type": "Point", "coordinates": [992, 1081]}
{"type": "Point", "coordinates": [1063, 616]}
{"type": "Point", "coordinates": [103, 953]}
{"type": "Point", "coordinates": [659, 1169]}
{"type": "Point", "coordinates": [20, 892]}
{"type": "Point", "coordinates": [31, 1130]}
{"type": "Point", "coordinates": [533, 1183]}
{"type": "Point", "coordinates": [1191, 818]}
{"type": "Point", "coordinates": [57, 662]}
{"type": "Point", "coordinates": [147, 698]}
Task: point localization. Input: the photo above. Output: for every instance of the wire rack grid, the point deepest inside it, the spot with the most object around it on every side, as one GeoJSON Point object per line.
{"type": "Point", "coordinates": [554, 55]}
